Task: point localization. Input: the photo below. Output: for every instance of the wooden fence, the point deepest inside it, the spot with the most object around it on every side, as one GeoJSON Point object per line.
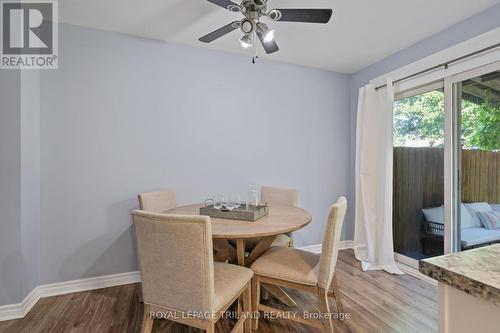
{"type": "Point", "coordinates": [419, 182]}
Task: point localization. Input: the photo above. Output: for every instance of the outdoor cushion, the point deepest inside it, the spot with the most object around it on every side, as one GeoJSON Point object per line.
{"type": "Point", "coordinates": [466, 218]}
{"type": "Point", "coordinates": [495, 207]}
{"type": "Point", "coordinates": [476, 236]}
{"type": "Point", "coordinates": [490, 220]}
{"type": "Point", "coordinates": [478, 207]}
{"type": "Point", "coordinates": [435, 214]}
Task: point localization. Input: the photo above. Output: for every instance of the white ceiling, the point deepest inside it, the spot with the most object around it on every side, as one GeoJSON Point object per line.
{"type": "Point", "coordinates": [360, 33]}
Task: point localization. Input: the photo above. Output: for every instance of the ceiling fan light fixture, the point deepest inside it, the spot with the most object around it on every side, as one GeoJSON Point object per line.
{"type": "Point", "coordinates": [267, 34]}
{"type": "Point", "coordinates": [274, 15]}
{"type": "Point", "coordinates": [251, 28]}
{"type": "Point", "coordinates": [269, 37]}
{"type": "Point", "coordinates": [246, 41]}
{"type": "Point", "coordinates": [246, 26]}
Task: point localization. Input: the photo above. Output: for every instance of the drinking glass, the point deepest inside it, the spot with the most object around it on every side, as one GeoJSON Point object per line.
{"type": "Point", "coordinates": [217, 202]}
{"type": "Point", "coordinates": [236, 199]}
{"type": "Point", "coordinates": [253, 198]}
{"type": "Point", "coordinates": [225, 200]}
{"type": "Point", "coordinates": [229, 203]}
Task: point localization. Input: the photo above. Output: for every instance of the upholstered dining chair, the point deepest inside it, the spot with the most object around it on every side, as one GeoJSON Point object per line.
{"type": "Point", "coordinates": [294, 268]}
{"type": "Point", "coordinates": [162, 201]}
{"type": "Point", "coordinates": [157, 202]}
{"type": "Point", "coordinates": [278, 196]}
{"type": "Point", "coordinates": [180, 280]}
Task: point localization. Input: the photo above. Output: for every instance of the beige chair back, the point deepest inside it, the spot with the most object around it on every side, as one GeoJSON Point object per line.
{"type": "Point", "coordinates": [176, 260]}
{"type": "Point", "coordinates": [331, 242]}
{"type": "Point", "coordinates": [279, 196]}
{"type": "Point", "coordinates": [158, 202]}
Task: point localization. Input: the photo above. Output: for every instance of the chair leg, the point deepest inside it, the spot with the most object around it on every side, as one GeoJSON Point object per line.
{"type": "Point", "coordinates": [255, 301]}
{"type": "Point", "coordinates": [247, 308]}
{"type": "Point", "coordinates": [239, 306]}
{"type": "Point", "coordinates": [210, 328]}
{"type": "Point", "coordinates": [325, 310]}
{"type": "Point", "coordinates": [147, 320]}
{"type": "Point", "coordinates": [336, 295]}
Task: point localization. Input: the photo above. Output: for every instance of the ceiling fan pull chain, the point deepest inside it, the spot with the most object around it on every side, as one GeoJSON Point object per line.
{"type": "Point", "coordinates": [254, 49]}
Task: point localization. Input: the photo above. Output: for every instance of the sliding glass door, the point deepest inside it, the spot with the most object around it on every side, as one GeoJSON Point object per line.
{"type": "Point", "coordinates": [446, 172]}
{"type": "Point", "coordinates": [477, 195]}
{"type": "Point", "coordinates": [418, 174]}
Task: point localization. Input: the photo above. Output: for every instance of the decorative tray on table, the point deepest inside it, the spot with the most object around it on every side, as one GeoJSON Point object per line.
{"type": "Point", "coordinates": [250, 213]}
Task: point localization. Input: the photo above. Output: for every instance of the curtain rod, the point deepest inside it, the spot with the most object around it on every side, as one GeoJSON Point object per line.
{"type": "Point", "coordinates": [444, 64]}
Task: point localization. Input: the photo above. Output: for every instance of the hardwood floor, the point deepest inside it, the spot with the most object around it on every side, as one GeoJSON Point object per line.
{"type": "Point", "coordinates": [376, 301]}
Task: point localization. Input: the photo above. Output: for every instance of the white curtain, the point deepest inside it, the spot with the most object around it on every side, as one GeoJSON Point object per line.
{"type": "Point", "coordinates": [373, 224]}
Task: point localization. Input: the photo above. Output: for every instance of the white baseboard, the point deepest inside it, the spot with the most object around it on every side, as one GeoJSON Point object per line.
{"type": "Point", "coordinates": [316, 248]}
{"type": "Point", "coordinates": [16, 311]}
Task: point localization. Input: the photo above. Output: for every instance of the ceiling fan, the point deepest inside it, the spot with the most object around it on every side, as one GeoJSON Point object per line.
{"type": "Point", "coordinates": [250, 25]}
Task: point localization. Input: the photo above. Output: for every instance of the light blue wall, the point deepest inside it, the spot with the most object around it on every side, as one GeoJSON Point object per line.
{"type": "Point", "coordinates": [124, 115]}
{"type": "Point", "coordinates": [474, 26]}
{"type": "Point", "coordinates": [11, 262]}
{"type": "Point", "coordinates": [19, 180]}
{"type": "Point", "coordinates": [30, 176]}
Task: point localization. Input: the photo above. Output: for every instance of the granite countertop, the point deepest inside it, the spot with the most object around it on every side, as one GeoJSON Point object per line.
{"type": "Point", "coordinates": [477, 271]}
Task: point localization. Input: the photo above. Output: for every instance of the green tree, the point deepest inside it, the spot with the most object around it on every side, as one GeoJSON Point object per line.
{"type": "Point", "coordinates": [421, 117]}
{"type": "Point", "coordinates": [480, 125]}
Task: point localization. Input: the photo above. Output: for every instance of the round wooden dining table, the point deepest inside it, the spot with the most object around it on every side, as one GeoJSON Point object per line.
{"type": "Point", "coordinates": [280, 220]}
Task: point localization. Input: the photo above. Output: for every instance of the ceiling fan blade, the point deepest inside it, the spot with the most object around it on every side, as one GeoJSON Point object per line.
{"type": "Point", "coordinates": [220, 32]}
{"type": "Point", "coordinates": [304, 15]}
{"type": "Point", "coordinates": [228, 4]}
{"type": "Point", "coordinates": [269, 47]}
